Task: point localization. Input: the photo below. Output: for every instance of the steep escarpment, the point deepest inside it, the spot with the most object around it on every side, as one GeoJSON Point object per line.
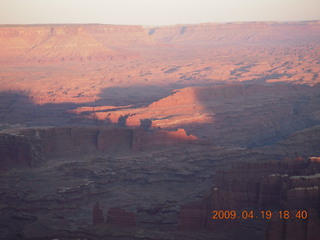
{"type": "Point", "coordinates": [40, 143]}
{"type": "Point", "coordinates": [26, 147]}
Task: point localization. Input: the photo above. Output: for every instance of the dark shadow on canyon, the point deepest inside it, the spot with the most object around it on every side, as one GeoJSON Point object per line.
{"type": "Point", "coordinates": [254, 115]}
{"type": "Point", "coordinates": [246, 115]}
{"type": "Point", "coordinates": [134, 95]}
{"type": "Point", "coordinates": [16, 107]}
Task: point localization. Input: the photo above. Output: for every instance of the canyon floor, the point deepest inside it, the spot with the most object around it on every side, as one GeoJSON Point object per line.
{"type": "Point", "coordinates": [135, 132]}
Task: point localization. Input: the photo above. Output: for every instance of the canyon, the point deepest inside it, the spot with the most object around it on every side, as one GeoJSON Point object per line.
{"type": "Point", "coordinates": [141, 132]}
{"type": "Point", "coordinates": [164, 191]}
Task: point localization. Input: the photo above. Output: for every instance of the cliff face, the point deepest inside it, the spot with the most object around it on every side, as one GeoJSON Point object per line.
{"type": "Point", "coordinates": [32, 145]}
{"type": "Point", "coordinates": [26, 147]}
{"type": "Point", "coordinates": [267, 184]}
{"type": "Point", "coordinates": [289, 185]}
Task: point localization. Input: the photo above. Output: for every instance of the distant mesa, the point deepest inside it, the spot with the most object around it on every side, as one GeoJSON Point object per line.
{"type": "Point", "coordinates": [55, 43]}
{"type": "Point", "coordinates": [59, 43]}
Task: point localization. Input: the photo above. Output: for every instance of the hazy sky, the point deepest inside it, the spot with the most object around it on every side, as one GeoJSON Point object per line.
{"type": "Point", "coordinates": [155, 12]}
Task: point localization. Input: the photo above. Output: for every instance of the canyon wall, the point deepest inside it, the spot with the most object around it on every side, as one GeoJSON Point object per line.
{"type": "Point", "coordinates": [289, 185]}
{"type": "Point", "coordinates": [26, 147]}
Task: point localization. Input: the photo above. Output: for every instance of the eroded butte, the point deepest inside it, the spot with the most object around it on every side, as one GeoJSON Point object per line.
{"type": "Point", "coordinates": [133, 132]}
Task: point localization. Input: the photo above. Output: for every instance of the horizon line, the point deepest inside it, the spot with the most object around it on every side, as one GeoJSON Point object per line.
{"type": "Point", "coordinates": [159, 25]}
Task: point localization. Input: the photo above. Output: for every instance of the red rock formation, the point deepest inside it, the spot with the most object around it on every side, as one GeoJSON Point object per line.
{"type": "Point", "coordinates": [121, 217]}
